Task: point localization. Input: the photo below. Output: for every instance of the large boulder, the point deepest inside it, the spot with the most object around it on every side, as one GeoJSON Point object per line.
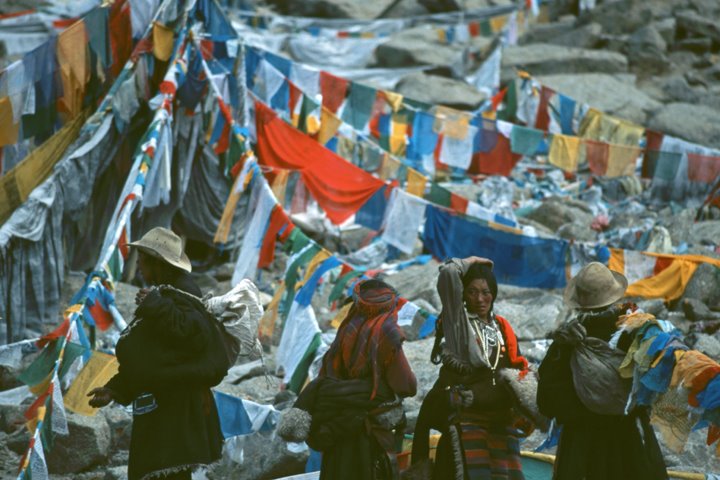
{"type": "Point", "coordinates": [421, 46]}
{"type": "Point", "coordinates": [695, 123]}
{"type": "Point", "coordinates": [556, 212]}
{"type": "Point", "coordinates": [694, 24]}
{"type": "Point", "coordinates": [437, 90]}
{"type": "Point", "coordinates": [646, 50]}
{"type": "Point", "coordinates": [334, 8]}
{"type": "Point", "coordinates": [625, 16]}
{"type": "Point", "coordinates": [586, 36]}
{"type": "Point", "coordinates": [417, 282]}
{"type": "Point", "coordinates": [86, 446]}
{"type": "Point", "coordinates": [120, 423]}
{"type": "Point", "coordinates": [548, 59]}
{"type": "Point", "coordinates": [704, 285]}
{"type": "Point", "coordinates": [545, 32]}
{"type": "Point", "coordinates": [533, 314]}
{"type": "Point", "coordinates": [613, 94]}
{"type": "Point", "coordinates": [706, 232]}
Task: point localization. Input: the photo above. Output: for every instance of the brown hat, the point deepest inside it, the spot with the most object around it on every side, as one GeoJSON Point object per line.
{"type": "Point", "coordinates": [595, 286]}
{"type": "Point", "coordinates": [164, 244]}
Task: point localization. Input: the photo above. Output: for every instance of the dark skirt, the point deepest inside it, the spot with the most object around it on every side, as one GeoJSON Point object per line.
{"type": "Point", "coordinates": [488, 453]}
{"type": "Point", "coordinates": [609, 448]}
{"type": "Point", "coordinates": [182, 433]}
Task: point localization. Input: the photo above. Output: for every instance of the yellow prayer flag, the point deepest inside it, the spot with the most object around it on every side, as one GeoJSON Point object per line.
{"type": "Point", "coordinates": [95, 374]}
{"type": "Point", "coordinates": [320, 257]}
{"type": "Point", "coordinates": [498, 23]}
{"type": "Point", "coordinates": [74, 61]}
{"type": "Point", "coordinates": [9, 131]}
{"type": "Point", "coordinates": [32, 423]}
{"type": "Point", "coordinates": [398, 141]}
{"type": "Point", "coordinates": [442, 37]}
{"type": "Point", "coordinates": [329, 124]}
{"type": "Point", "coordinates": [389, 168]}
{"type": "Point", "coordinates": [340, 316]}
{"type": "Point", "coordinates": [416, 182]}
{"type": "Point", "coordinates": [564, 152]}
{"type": "Point", "coordinates": [394, 99]}
{"type": "Point", "coordinates": [451, 123]}
{"type": "Point", "coordinates": [621, 160]}
{"type": "Point", "coordinates": [162, 41]}
{"type": "Point", "coordinates": [16, 185]}
{"type": "Point", "coordinates": [223, 230]}
{"type": "Point", "coordinates": [269, 318]}
{"type": "Point", "coordinates": [601, 127]}
{"type": "Point", "coordinates": [280, 185]}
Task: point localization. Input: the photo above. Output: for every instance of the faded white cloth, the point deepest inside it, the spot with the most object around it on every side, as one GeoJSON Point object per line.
{"type": "Point", "coordinates": [458, 152]}
{"type": "Point", "coordinates": [159, 181]}
{"type": "Point", "coordinates": [338, 52]}
{"type": "Point", "coordinates": [125, 101]}
{"type": "Point", "coordinates": [307, 79]}
{"type": "Point", "coordinates": [487, 78]}
{"type": "Point", "coordinates": [406, 215]}
{"type": "Point", "coordinates": [261, 203]}
{"type": "Point", "coordinates": [476, 210]}
{"type": "Point", "coordinates": [406, 314]}
{"type": "Point", "coordinates": [300, 329]}
{"type": "Point", "coordinates": [142, 13]}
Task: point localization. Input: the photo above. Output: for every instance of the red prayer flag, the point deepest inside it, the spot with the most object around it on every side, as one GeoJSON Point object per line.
{"type": "Point", "coordinates": [120, 35]}
{"type": "Point", "coordinates": [339, 187]}
{"type": "Point", "coordinates": [278, 219]}
{"type": "Point", "coordinates": [458, 203]}
{"type": "Point", "coordinates": [703, 168]}
{"type": "Point", "coordinates": [653, 142]}
{"type": "Point", "coordinates": [498, 161]}
{"type": "Point", "coordinates": [333, 90]}
{"type": "Point", "coordinates": [542, 121]}
{"type": "Point", "coordinates": [597, 154]}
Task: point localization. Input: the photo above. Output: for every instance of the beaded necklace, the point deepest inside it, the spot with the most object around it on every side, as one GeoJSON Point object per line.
{"type": "Point", "coordinates": [487, 336]}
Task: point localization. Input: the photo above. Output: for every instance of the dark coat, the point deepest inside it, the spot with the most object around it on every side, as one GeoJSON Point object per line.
{"type": "Point", "coordinates": [167, 351]}
{"type": "Point", "coordinates": [592, 446]}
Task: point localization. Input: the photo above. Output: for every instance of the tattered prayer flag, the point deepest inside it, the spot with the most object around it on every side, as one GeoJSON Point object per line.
{"type": "Point", "coordinates": [10, 129]}
{"type": "Point", "coordinates": [299, 376]}
{"type": "Point", "coordinates": [389, 168]}
{"type": "Point", "coordinates": [96, 373]}
{"type": "Point", "coordinates": [458, 203]}
{"type": "Point", "coordinates": [329, 124]}
{"type": "Point", "coordinates": [662, 165]}
{"type": "Point", "coordinates": [40, 372]}
{"type": "Point", "coordinates": [451, 122]}
{"type": "Point", "coordinates": [596, 154]}
{"type": "Point", "coordinates": [340, 315]}
{"type": "Point", "coordinates": [333, 90]}
{"type": "Point", "coordinates": [399, 127]}
{"type": "Point", "coordinates": [394, 99]}
{"type": "Point", "coordinates": [542, 121]}
{"type": "Point", "coordinates": [359, 105]}
{"type": "Point", "coordinates": [564, 152]}
{"type": "Point", "coordinates": [703, 168]}
{"type": "Point", "coordinates": [162, 41]}
{"type": "Point", "coordinates": [525, 141]}
{"type": "Point", "coordinates": [621, 160]}
{"type": "Point", "coordinates": [439, 195]}
{"type": "Point", "coordinates": [416, 183]}
{"type": "Point", "coordinates": [220, 136]}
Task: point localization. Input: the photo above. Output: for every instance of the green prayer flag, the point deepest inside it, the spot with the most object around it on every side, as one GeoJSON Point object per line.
{"type": "Point", "coordinates": [339, 287]}
{"type": "Point", "coordinates": [294, 272]}
{"type": "Point", "coordinates": [663, 165]}
{"type": "Point", "coordinates": [439, 195]}
{"type": "Point", "coordinates": [525, 140]}
{"type": "Point", "coordinates": [307, 107]}
{"type": "Point", "coordinates": [509, 112]}
{"type": "Point", "coordinates": [358, 105]}
{"type": "Point", "coordinates": [297, 381]}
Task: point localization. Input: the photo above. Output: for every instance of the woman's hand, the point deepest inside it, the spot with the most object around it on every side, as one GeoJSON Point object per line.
{"type": "Point", "coordinates": [100, 397]}
{"type": "Point", "coordinates": [480, 260]}
{"type": "Point", "coordinates": [141, 294]}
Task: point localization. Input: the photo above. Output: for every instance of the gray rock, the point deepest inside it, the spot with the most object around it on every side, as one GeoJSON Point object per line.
{"type": "Point", "coordinates": [655, 307]}
{"type": "Point", "coordinates": [577, 232]}
{"type": "Point", "coordinates": [116, 473]}
{"type": "Point", "coordinates": [647, 37]}
{"type": "Point", "coordinates": [614, 43]}
{"type": "Point", "coordinates": [586, 36]}
{"type": "Point", "coordinates": [533, 316]}
{"type": "Point", "coordinates": [86, 446]}
{"type": "Point", "coordinates": [206, 283]}
{"type": "Point", "coordinates": [12, 417]}
{"type": "Point", "coordinates": [704, 286]}
{"type": "Point", "coordinates": [224, 272]}
{"type": "Point", "coordinates": [417, 282]}
{"type": "Point", "coordinates": [666, 28]}
{"type": "Point", "coordinates": [556, 212]}
{"type": "Point", "coordinates": [9, 460]}
{"type": "Point", "coordinates": [677, 89]}
{"type": "Point", "coordinates": [706, 232]}
{"type": "Point", "coordinates": [613, 94]}
{"type": "Point", "coordinates": [697, 456]}
{"type": "Point", "coordinates": [125, 299]}
{"type": "Point", "coordinates": [120, 423]}
{"type": "Point", "coordinates": [547, 59]}
{"type": "Point", "coordinates": [258, 389]}
{"type": "Point", "coordinates": [334, 8]}
{"type": "Point", "coordinates": [699, 25]}
{"type": "Point", "coordinates": [418, 355]}
{"type": "Point", "coordinates": [265, 456]}
{"type": "Point", "coordinates": [407, 8]}
{"type": "Point", "coordinates": [695, 45]}
{"type": "Point", "coordinates": [695, 123]}
{"type": "Point", "coordinates": [544, 32]}
{"type": "Point", "coordinates": [696, 310]}
{"type": "Point", "coordinates": [646, 50]}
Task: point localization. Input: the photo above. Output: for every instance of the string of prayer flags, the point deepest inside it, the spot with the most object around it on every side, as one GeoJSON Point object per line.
{"type": "Point", "coordinates": [415, 183]}
{"type": "Point", "coordinates": [163, 38]}
{"type": "Point", "coordinates": [564, 152]}
{"type": "Point", "coordinates": [96, 373]}
{"type": "Point", "coordinates": [359, 104]}
{"type": "Point", "coordinates": [333, 90]}
{"type": "Point", "coordinates": [526, 141]}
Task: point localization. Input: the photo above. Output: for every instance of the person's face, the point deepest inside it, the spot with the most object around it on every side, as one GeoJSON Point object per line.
{"type": "Point", "coordinates": [478, 298]}
{"type": "Point", "coordinates": [145, 267]}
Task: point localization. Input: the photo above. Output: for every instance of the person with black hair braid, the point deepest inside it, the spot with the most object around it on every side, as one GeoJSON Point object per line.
{"type": "Point", "coordinates": [470, 404]}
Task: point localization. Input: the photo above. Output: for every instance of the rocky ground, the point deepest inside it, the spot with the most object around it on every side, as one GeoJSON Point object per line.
{"type": "Point", "coordinates": [655, 63]}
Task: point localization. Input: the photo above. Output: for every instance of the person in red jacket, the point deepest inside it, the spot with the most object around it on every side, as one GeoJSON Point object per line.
{"type": "Point", "coordinates": [470, 404]}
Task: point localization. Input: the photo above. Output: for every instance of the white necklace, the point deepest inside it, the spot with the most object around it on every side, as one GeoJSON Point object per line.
{"type": "Point", "coordinates": [485, 341]}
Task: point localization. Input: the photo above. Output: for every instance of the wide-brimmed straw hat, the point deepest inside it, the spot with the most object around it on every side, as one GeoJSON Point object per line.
{"type": "Point", "coordinates": [164, 244]}
{"type": "Point", "coordinates": [595, 286]}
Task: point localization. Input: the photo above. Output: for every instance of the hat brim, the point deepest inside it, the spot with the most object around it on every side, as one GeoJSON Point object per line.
{"type": "Point", "coordinates": [604, 298]}
{"type": "Point", "coordinates": [182, 264]}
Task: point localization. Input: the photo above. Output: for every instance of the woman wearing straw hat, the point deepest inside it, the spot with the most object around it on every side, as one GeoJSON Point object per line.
{"type": "Point", "coordinates": [598, 440]}
{"type": "Point", "coordinates": [168, 362]}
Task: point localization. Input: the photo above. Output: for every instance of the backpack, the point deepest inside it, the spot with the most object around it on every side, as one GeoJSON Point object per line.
{"type": "Point", "coordinates": [237, 314]}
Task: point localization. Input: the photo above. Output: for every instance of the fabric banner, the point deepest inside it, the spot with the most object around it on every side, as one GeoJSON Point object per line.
{"type": "Point", "coordinates": [339, 187]}
{"type": "Point", "coordinates": [519, 260]}
{"type": "Point", "coordinates": [96, 373]}
{"type": "Point", "coordinates": [406, 214]}
{"type": "Point", "coordinates": [300, 330]}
